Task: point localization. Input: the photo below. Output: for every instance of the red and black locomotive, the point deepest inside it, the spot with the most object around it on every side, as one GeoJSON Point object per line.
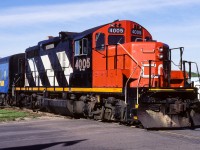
{"type": "Point", "coordinates": [113, 72]}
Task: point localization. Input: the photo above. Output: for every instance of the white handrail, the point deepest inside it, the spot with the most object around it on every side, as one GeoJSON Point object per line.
{"type": "Point", "coordinates": [131, 74]}
{"type": "Point", "coordinates": [129, 54]}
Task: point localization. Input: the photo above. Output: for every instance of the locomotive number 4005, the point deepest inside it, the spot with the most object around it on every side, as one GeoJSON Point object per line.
{"type": "Point", "coordinates": [82, 64]}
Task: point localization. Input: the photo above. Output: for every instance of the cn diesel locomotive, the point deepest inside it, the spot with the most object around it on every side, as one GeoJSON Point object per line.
{"type": "Point", "coordinates": [113, 72]}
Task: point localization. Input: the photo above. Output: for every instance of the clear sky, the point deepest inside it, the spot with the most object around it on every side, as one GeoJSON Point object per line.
{"type": "Point", "coordinates": [25, 22]}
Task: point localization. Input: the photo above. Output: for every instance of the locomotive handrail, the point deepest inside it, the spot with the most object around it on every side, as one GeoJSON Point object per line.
{"type": "Point", "coordinates": [198, 87]}
{"type": "Point", "coordinates": [184, 70]}
{"type": "Point", "coordinates": [13, 85]}
{"type": "Point", "coordinates": [37, 77]}
{"type": "Point", "coordinates": [181, 55]}
{"type": "Point", "coordinates": [131, 74]}
{"type": "Point", "coordinates": [53, 76]}
{"type": "Point", "coordinates": [14, 82]}
{"type": "Point", "coordinates": [129, 54]}
{"type": "Point", "coordinates": [150, 65]}
{"type": "Point", "coordinates": [197, 71]}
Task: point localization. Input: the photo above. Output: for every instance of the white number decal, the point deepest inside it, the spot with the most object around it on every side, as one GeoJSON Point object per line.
{"type": "Point", "coordinates": [137, 32]}
{"type": "Point", "coordinates": [76, 65]}
{"type": "Point", "coordinates": [82, 64]}
{"type": "Point", "coordinates": [88, 63]}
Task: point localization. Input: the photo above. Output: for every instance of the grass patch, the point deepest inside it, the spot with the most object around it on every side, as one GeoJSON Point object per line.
{"type": "Point", "coordinates": [11, 115]}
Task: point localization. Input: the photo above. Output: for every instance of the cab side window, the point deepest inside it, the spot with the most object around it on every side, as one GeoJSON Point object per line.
{"type": "Point", "coordinates": [84, 46]}
{"type": "Point", "coordinates": [115, 39]}
{"type": "Point", "coordinates": [136, 39]}
{"type": "Point", "coordinates": [81, 47]}
{"type": "Point", "coordinates": [100, 41]}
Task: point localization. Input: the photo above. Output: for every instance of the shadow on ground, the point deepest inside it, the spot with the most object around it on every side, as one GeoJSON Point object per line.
{"type": "Point", "coordinates": [43, 146]}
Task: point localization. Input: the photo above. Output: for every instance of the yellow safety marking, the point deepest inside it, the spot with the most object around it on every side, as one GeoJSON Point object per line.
{"type": "Point", "coordinates": [1, 83]}
{"type": "Point", "coordinates": [171, 90]}
{"type": "Point", "coordinates": [108, 90]}
{"type": "Point", "coordinates": [136, 106]}
{"type": "Point", "coordinates": [60, 89]}
{"type": "Point", "coordinates": [135, 117]}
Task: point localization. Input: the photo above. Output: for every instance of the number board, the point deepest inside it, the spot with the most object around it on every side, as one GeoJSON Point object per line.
{"type": "Point", "coordinates": [82, 64]}
{"type": "Point", "coordinates": [116, 30]}
{"type": "Point", "coordinates": [137, 32]}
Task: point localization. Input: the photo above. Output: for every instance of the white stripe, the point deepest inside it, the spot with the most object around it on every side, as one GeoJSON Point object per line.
{"type": "Point", "coordinates": [34, 71]}
{"type": "Point", "coordinates": [26, 81]}
{"type": "Point", "coordinates": [65, 64]}
{"type": "Point", "coordinates": [49, 70]}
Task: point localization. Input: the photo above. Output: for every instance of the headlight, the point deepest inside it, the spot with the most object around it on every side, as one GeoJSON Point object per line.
{"type": "Point", "coordinates": [161, 49]}
{"type": "Point", "coordinates": [160, 56]}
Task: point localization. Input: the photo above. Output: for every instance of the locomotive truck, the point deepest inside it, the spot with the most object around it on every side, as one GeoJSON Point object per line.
{"type": "Point", "coordinates": [113, 72]}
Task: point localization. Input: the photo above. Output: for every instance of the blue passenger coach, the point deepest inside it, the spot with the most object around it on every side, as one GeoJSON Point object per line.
{"type": "Point", "coordinates": [4, 71]}
{"type": "Point", "coordinates": [9, 71]}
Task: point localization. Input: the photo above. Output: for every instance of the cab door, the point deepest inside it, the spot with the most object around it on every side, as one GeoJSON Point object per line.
{"type": "Point", "coordinates": [82, 76]}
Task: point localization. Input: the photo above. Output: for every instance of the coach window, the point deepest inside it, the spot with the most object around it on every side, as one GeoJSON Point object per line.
{"type": "Point", "coordinates": [115, 39]}
{"type": "Point", "coordinates": [4, 74]}
{"type": "Point", "coordinates": [81, 47]}
{"type": "Point", "coordinates": [100, 41]}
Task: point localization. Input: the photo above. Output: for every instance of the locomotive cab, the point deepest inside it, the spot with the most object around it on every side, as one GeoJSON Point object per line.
{"type": "Point", "coordinates": [82, 60]}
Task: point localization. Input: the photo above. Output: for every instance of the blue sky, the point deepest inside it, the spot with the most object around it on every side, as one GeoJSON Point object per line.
{"type": "Point", "coordinates": [25, 22]}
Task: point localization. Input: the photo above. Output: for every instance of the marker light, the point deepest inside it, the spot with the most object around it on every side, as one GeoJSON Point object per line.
{"type": "Point", "coordinates": [160, 56]}
{"type": "Point", "coordinates": [161, 49]}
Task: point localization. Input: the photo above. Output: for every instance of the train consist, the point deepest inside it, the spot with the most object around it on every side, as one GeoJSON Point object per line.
{"type": "Point", "coordinates": [113, 72]}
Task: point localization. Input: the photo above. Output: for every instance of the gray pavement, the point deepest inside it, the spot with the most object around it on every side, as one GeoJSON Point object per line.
{"type": "Point", "coordinates": [62, 133]}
